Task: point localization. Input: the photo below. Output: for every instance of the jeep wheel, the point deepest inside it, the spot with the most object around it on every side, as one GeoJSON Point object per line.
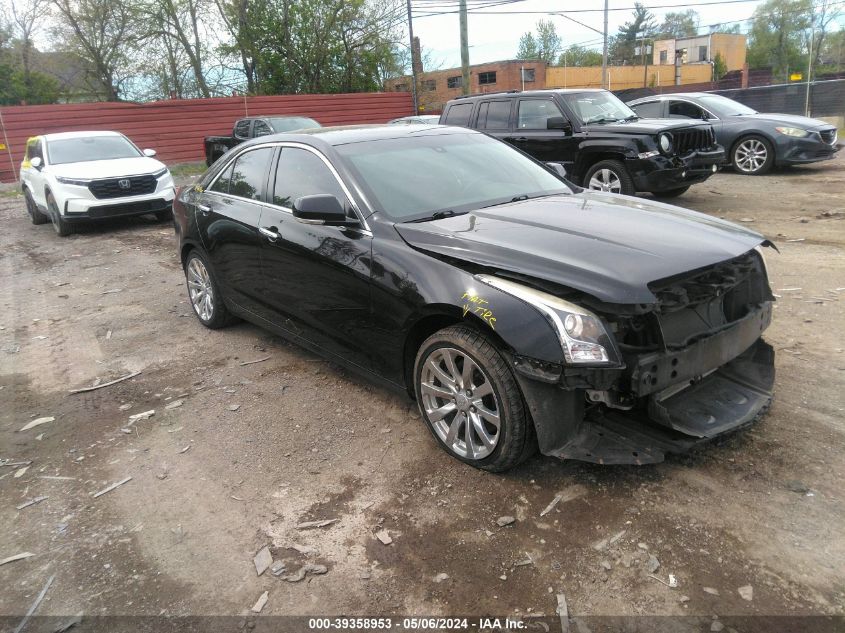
{"type": "Point", "coordinates": [62, 228]}
{"type": "Point", "coordinates": [753, 155]}
{"type": "Point", "coordinates": [32, 209]}
{"type": "Point", "coordinates": [609, 175]}
{"type": "Point", "coordinates": [671, 193]}
{"type": "Point", "coordinates": [470, 400]}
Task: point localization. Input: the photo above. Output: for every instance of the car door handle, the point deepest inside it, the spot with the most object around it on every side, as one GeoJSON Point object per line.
{"type": "Point", "coordinates": [271, 234]}
{"type": "Point", "coordinates": [204, 209]}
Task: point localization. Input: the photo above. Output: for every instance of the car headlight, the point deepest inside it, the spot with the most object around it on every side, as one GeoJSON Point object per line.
{"type": "Point", "coordinates": [583, 337]}
{"type": "Point", "coordinates": [73, 181]}
{"type": "Point", "coordinates": [160, 173]}
{"type": "Point", "coordinates": [664, 142]}
{"type": "Point", "coordinates": [793, 131]}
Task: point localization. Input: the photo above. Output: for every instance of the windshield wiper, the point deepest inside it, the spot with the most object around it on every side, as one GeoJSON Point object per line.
{"type": "Point", "coordinates": [601, 119]}
{"type": "Point", "coordinates": [632, 117]}
{"type": "Point", "coordinates": [521, 197]}
{"type": "Point", "coordinates": [437, 215]}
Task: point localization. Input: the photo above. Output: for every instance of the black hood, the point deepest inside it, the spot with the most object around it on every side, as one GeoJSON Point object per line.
{"type": "Point", "coordinates": [793, 120]}
{"type": "Point", "coordinates": [645, 126]}
{"type": "Point", "coordinates": [605, 245]}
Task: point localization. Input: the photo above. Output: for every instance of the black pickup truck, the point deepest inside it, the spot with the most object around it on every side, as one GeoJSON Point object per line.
{"type": "Point", "coordinates": [251, 127]}
{"type": "Point", "coordinates": [601, 142]}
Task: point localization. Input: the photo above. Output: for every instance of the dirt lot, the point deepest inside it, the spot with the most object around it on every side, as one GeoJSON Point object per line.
{"type": "Point", "coordinates": [255, 449]}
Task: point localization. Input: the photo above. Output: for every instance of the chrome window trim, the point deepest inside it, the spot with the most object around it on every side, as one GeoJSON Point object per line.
{"type": "Point", "coordinates": [698, 105]}
{"type": "Point", "coordinates": [282, 144]}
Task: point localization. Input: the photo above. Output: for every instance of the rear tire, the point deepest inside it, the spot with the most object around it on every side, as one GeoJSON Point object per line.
{"type": "Point", "coordinates": [62, 228]}
{"type": "Point", "coordinates": [35, 216]}
{"type": "Point", "coordinates": [204, 293]}
{"type": "Point", "coordinates": [671, 193]}
{"type": "Point", "coordinates": [470, 400]}
{"type": "Point", "coordinates": [611, 176]}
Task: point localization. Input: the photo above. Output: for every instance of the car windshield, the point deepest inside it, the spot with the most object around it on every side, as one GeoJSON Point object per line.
{"type": "Point", "coordinates": [722, 106]}
{"type": "Point", "coordinates": [598, 107]}
{"type": "Point", "coordinates": [85, 148]}
{"type": "Point", "coordinates": [415, 177]}
{"type": "Point", "coordinates": [290, 123]}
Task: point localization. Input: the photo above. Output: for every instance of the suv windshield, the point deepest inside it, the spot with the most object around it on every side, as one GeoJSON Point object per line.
{"type": "Point", "coordinates": [722, 106]}
{"type": "Point", "coordinates": [78, 150]}
{"type": "Point", "coordinates": [413, 178]}
{"type": "Point", "coordinates": [598, 107]}
{"type": "Point", "coordinates": [289, 123]}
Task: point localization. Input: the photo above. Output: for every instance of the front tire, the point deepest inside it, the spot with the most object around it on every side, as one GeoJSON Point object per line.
{"type": "Point", "coordinates": [753, 156]}
{"type": "Point", "coordinates": [610, 176]}
{"type": "Point", "coordinates": [470, 400]}
{"type": "Point", "coordinates": [35, 216]}
{"type": "Point", "coordinates": [62, 228]}
{"type": "Point", "coordinates": [204, 293]}
{"type": "Point", "coordinates": [671, 193]}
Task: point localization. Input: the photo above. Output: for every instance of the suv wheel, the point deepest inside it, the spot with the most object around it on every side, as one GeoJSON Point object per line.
{"type": "Point", "coordinates": [753, 155]}
{"type": "Point", "coordinates": [63, 228]}
{"type": "Point", "coordinates": [470, 400]}
{"type": "Point", "coordinates": [204, 293]}
{"type": "Point", "coordinates": [32, 209]}
{"type": "Point", "coordinates": [609, 175]}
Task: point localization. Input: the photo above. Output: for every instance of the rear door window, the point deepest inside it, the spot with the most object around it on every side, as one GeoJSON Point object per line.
{"type": "Point", "coordinates": [459, 114]}
{"type": "Point", "coordinates": [242, 128]}
{"type": "Point", "coordinates": [498, 116]}
{"type": "Point", "coordinates": [649, 109]}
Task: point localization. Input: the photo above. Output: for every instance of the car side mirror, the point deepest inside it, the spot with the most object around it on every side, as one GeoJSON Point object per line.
{"type": "Point", "coordinates": [35, 161]}
{"type": "Point", "coordinates": [322, 208]}
{"type": "Point", "coordinates": [149, 153]}
{"type": "Point", "coordinates": [557, 168]}
{"type": "Point", "coordinates": [558, 123]}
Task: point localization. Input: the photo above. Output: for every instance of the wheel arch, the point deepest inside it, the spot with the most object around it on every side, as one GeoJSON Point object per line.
{"type": "Point", "coordinates": [595, 155]}
{"type": "Point", "coordinates": [185, 250]}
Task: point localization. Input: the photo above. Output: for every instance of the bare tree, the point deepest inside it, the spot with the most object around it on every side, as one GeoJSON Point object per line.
{"type": "Point", "coordinates": [27, 18]}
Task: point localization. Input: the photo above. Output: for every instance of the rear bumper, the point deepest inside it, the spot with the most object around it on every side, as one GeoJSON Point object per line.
{"type": "Point", "coordinates": [662, 173]}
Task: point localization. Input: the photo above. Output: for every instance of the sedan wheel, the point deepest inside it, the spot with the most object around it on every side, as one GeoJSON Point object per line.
{"type": "Point", "coordinates": [470, 399]}
{"type": "Point", "coordinates": [753, 155]}
{"type": "Point", "coordinates": [204, 293]}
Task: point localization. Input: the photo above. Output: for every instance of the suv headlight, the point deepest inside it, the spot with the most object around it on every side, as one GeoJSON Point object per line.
{"type": "Point", "coordinates": [664, 142]}
{"type": "Point", "coordinates": [793, 131]}
{"type": "Point", "coordinates": [160, 173]}
{"type": "Point", "coordinates": [73, 181]}
{"type": "Point", "coordinates": [583, 337]}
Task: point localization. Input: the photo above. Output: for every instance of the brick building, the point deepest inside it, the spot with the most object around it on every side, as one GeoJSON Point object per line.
{"type": "Point", "coordinates": [437, 87]}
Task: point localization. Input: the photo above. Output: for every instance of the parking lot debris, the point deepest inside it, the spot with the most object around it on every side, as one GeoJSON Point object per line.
{"type": "Point", "coordinates": [20, 472]}
{"type": "Point", "coordinates": [716, 626]}
{"type": "Point", "coordinates": [673, 582]}
{"type": "Point", "coordinates": [616, 537]}
{"type": "Point", "coordinates": [563, 613]}
{"type": "Point", "coordinates": [304, 571]}
{"type": "Point", "coordinates": [307, 525]}
{"type": "Point", "coordinates": [526, 561]}
{"type": "Point", "coordinates": [710, 590]}
{"type": "Point", "coordinates": [642, 546]}
{"type": "Point", "coordinates": [683, 599]}
{"type": "Point", "coordinates": [125, 407]}
{"type": "Point", "coordinates": [12, 559]}
{"type": "Point", "coordinates": [125, 430]}
{"type": "Point", "coordinates": [746, 220]}
{"type": "Point", "coordinates": [441, 577]}
{"type": "Point", "coordinates": [37, 422]}
{"type": "Point", "coordinates": [252, 362]}
{"type": "Point", "coordinates": [262, 560]}
{"type": "Point", "coordinates": [185, 450]}
{"type": "Point", "coordinates": [106, 384]}
{"type": "Point", "coordinates": [746, 593]}
{"type": "Point", "coordinates": [234, 407]}
{"type": "Point", "coordinates": [277, 568]}
{"type": "Point", "coordinates": [551, 505]}
{"type": "Point", "coordinates": [70, 623]}
{"type": "Point", "coordinates": [796, 486]}
{"type": "Point", "coordinates": [112, 487]}
{"type": "Point", "coordinates": [652, 565]}
{"type": "Point", "coordinates": [606, 565]}
{"type": "Point", "coordinates": [146, 415]}
{"type": "Point", "coordinates": [505, 521]}
{"type": "Point", "coordinates": [384, 537]}
{"type": "Point", "coordinates": [175, 404]}
{"type": "Point", "coordinates": [35, 604]}
{"type": "Point", "coordinates": [259, 604]}
{"type": "Point", "coordinates": [31, 502]}
{"type": "Point", "coordinates": [305, 550]}
{"type": "Point", "coordinates": [112, 291]}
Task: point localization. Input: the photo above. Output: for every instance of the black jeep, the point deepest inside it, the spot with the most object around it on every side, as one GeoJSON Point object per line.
{"type": "Point", "coordinates": [600, 141]}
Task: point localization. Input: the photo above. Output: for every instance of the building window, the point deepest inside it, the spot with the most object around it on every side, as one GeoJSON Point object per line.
{"type": "Point", "coordinates": [664, 57]}
{"type": "Point", "coordinates": [429, 85]}
{"type": "Point", "coordinates": [485, 79]}
{"type": "Point", "coordinates": [454, 82]}
{"type": "Point", "coordinates": [702, 53]}
{"type": "Point", "coordinates": [527, 75]}
{"type": "Point", "coordinates": [400, 87]}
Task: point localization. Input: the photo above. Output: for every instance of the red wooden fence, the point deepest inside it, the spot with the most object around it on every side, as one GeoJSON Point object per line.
{"type": "Point", "coordinates": [175, 129]}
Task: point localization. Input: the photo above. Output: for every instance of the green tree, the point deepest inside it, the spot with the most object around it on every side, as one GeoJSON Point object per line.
{"type": "Point", "coordinates": [720, 67]}
{"type": "Point", "coordinates": [577, 55]}
{"type": "Point", "coordinates": [642, 25]}
{"type": "Point", "coordinates": [678, 24]}
{"type": "Point", "coordinates": [544, 45]}
{"type": "Point", "coordinates": [777, 35]}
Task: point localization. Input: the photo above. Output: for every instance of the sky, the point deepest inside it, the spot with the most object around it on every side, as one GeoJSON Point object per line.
{"type": "Point", "coordinates": [495, 37]}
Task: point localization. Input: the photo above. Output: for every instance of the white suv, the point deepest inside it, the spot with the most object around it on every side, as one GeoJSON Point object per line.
{"type": "Point", "coordinates": [76, 176]}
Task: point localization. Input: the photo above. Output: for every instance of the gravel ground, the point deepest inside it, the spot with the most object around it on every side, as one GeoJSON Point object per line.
{"type": "Point", "coordinates": [252, 450]}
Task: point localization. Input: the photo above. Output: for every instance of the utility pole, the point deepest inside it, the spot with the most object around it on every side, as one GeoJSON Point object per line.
{"type": "Point", "coordinates": [413, 64]}
{"type": "Point", "coordinates": [809, 72]}
{"type": "Point", "coordinates": [604, 51]}
{"type": "Point", "coordinates": [464, 48]}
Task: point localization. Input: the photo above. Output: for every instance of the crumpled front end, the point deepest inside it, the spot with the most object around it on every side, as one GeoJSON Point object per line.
{"type": "Point", "coordinates": [695, 367]}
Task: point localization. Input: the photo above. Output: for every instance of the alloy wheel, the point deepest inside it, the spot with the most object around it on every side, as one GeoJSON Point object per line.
{"type": "Point", "coordinates": [460, 403]}
{"type": "Point", "coordinates": [200, 289]}
{"type": "Point", "coordinates": [751, 155]}
{"type": "Point", "coordinates": [606, 180]}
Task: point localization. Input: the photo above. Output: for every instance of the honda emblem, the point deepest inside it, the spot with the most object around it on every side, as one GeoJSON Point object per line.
{"type": "Point", "coordinates": [124, 183]}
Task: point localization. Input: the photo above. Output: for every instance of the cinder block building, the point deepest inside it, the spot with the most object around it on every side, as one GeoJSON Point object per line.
{"type": "Point", "coordinates": [702, 50]}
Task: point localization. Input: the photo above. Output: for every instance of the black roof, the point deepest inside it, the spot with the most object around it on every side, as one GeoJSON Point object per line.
{"type": "Point", "coordinates": [529, 93]}
{"type": "Point", "coordinates": [343, 135]}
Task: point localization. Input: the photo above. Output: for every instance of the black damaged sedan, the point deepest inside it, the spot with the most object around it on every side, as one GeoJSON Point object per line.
{"type": "Point", "coordinates": [519, 312]}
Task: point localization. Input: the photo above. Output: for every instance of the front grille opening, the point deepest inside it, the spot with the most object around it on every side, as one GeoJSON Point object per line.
{"type": "Point", "coordinates": [694, 139]}
{"type": "Point", "coordinates": [123, 187]}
